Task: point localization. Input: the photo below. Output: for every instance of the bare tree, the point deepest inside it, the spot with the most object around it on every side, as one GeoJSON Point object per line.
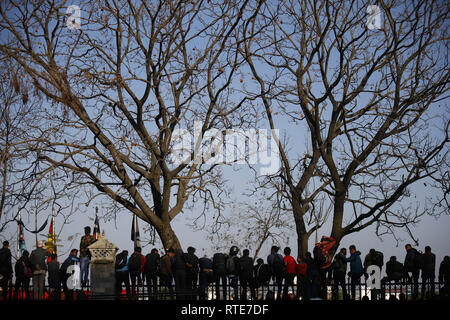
{"type": "Point", "coordinates": [251, 226]}
{"type": "Point", "coordinates": [368, 99]}
{"type": "Point", "coordinates": [119, 87]}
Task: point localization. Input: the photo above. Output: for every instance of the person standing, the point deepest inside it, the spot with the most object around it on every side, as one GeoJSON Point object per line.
{"type": "Point", "coordinates": [206, 275]}
{"type": "Point", "coordinates": [444, 276]}
{"type": "Point", "coordinates": [277, 268]}
{"type": "Point", "coordinates": [23, 273]}
{"type": "Point", "coordinates": [54, 279]}
{"type": "Point", "coordinates": [262, 275]}
{"type": "Point", "coordinates": [6, 270]}
{"type": "Point", "coordinates": [192, 270]}
{"type": "Point", "coordinates": [151, 271]}
{"type": "Point", "coordinates": [356, 269]}
{"type": "Point", "coordinates": [85, 255]}
{"type": "Point", "coordinates": [301, 269]}
{"type": "Point", "coordinates": [136, 269]}
{"type": "Point", "coordinates": [233, 270]}
{"type": "Point", "coordinates": [411, 266]}
{"type": "Point", "coordinates": [122, 273]}
{"type": "Point", "coordinates": [428, 271]}
{"type": "Point", "coordinates": [312, 277]}
{"type": "Point", "coordinates": [291, 272]}
{"type": "Point", "coordinates": [324, 262]}
{"type": "Point", "coordinates": [339, 272]}
{"type": "Point", "coordinates": [166, 274]}
{"type": "Point", "coordinates": [246, 275]}
{"type": "Point", "coordinates": [71, 260]}
{"type": "Point", "coordinates": [39, 267]}
{"type": "Point", "coordinates": [220, 273]}
{"type": "Point", "coordinates": [179, 267]}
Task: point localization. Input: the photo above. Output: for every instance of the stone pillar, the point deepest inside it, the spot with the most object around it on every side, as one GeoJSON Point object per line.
{"type": "Point", "coordinates": [103, 281]}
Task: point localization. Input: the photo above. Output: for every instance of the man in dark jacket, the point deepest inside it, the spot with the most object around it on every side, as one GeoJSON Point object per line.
{"type": "Point", "coordinates": [444, 276]}
{"type": "Point", "coordinates": [232, 265]}
{"type": "Point", "coordinates": [312, 277]}
{"type": "Point", "coordinates": [136, 269]}
{"type": "Point", "coordinates": [394, 270]}
{"type": "Point", "coordinates": [151, 271]}
{"type": "Point", "coordinates": [246, 274]}
{"type": "Point", "coordinates": [339, 272]}
{"type": "Point", "coordinates": [410, 265]}
{"type": "Point", "coordinates": [206, 275]}
{"type": "Point", "coordinates": [356, 269]}
{"type": "Point", "coordinates": [191, 273]}
{"type": "Point", "coordinates": [428, 271]}
{"type": "Point", "coordinates": [220, 273]}
{"type": "Point", "coordinates": [54, 279]}
{"type": "Point", "coordinates": [22, 279]}
{"type": "Point", "coordinates": [37, 258]}
{"type": "Point", "coordinates": [166, 274]}
{"type": "Point", "coordinates": [262, 274]}
{"type": "Point", "coordinates": [71, 260]}
{"type": "Point", "coordinates": [179, 267]}
{"type": "Point", "coordinates": [6, 270]}
{"type": "Point", "coordinates": [276, 264]}
{"type": "Point", "coordinates": [373, 258]}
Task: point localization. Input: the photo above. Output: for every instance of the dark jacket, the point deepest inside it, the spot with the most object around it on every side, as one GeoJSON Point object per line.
{"type": "Point", "coordinates": [219, 263]}
{"type": "Point", "coordinates": [71, 260]}
{"type": "Point", "coordinates": [444, 271]}
{"type": "Point", "coordinates": [191, 262]}
{"type": "Point", "coordinates": [246, 268]}
{"type": "Point", "coordinates": [38, 257]}
{"type": "Point", "coordinates": [237, 266]}
{"type": "Point", "coordinates": [339, 264]}
{"type": "Point", "coordinates": [429, 262]}
{"type": "Point", "coordinates": [21, 265]}
{"type": "Point", "coordinates": [152, 263]}
{"type": "Point", "coordinates": [393, 266]}
{"type": "Point", "coordinates": [5, 262]}
{"type": "Point", "coordinates": [271, 260]}
{"type": "Point", "coordinates": [356, 266]}
{"type": "Point", "coordinates": [409, 264]}
{"type": "Point", "coordinates": [179, 262]}
{"type": "Point", "coordinates": [205, 263]}
{"type": "Point", "coordinates": [53, 274]}
{"type": "Point", "coordinates": [313, 268]}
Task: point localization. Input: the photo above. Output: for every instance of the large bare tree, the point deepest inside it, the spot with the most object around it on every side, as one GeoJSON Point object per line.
{"type": "Point", "coordinates": [367, 94]}
{"type": "Point", "coordinates": [119, 86]}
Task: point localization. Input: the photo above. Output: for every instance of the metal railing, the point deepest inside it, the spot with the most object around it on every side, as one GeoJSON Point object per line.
{"type": "Point", "coordinates": [401, 290]}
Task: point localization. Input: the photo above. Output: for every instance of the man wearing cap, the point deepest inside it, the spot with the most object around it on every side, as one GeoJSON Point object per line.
{"type": "Point", "coordinates": [85, 255]}
{"type": "Point", "coordinates": [39, 268]}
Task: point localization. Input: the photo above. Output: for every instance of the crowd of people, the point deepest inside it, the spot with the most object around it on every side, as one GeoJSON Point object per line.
{"type": "Point", "coordinates": [187, 276]}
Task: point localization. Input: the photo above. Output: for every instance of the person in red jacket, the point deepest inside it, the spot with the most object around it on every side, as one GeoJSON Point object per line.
{"type": "Point", "coordinates": [325, 244]}
{"type": "Point", "coordinates": [289, 261]}
{"type": "Point", "coordinates": [301, 269]}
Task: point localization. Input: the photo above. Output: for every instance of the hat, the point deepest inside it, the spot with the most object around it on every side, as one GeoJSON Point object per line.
{"type": "Point", "coordinates": [40, 244]}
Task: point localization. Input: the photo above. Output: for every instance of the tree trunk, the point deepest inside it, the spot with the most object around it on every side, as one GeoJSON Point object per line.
{"type": "Point", "coordinates": [302, 243]}
{"type": "Point", "coordinates": [168, 237]}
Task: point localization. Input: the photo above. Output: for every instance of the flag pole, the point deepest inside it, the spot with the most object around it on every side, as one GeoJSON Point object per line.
{"type": "Point", "coordinates": [18, 237]}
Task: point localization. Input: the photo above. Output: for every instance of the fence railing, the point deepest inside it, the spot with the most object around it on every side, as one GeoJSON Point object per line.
{"type": "Point", "coordinates": [402, 290]}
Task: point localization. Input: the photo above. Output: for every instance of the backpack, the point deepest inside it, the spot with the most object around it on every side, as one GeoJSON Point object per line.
{"type": "Point", "coordinates": [263, 273]}
{"type": "Point", "coordinates": [152, 264]}
{"type": "Point", "coordinates": [219, 262]}
{"type": "Point", "coordinates": [135, 262]}
{"type": "Point", "coordinates": [318, 256]}
{"type": "Point", "coordinates": [378, 259]}
{"type": "Point", "coordinates": [121, 261]}
{"type": "Point", "coordinates": [231, 265]}
{"type": "Point", "coordinates": [419, 259]}
{"type": "Point", "coordinates": [278, 265]}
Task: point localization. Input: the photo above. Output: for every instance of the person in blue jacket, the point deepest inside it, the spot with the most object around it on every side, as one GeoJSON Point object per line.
{"type": "Point", "coordinates": [356, 268]}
